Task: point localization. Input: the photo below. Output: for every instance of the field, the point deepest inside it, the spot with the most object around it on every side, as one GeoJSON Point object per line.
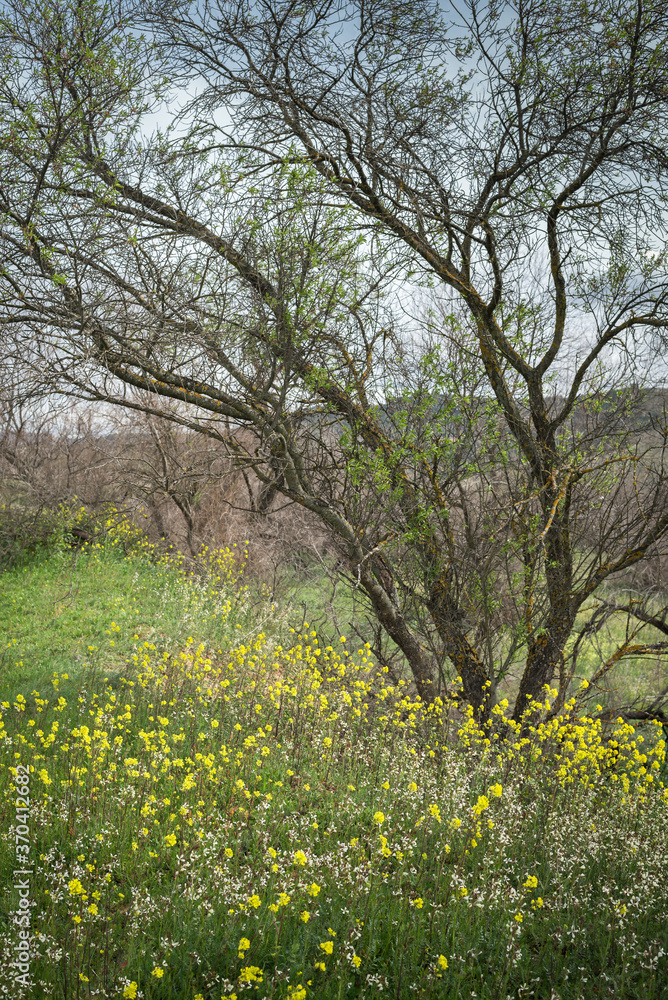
{"type": "Point", "coordinates": [227, 802]}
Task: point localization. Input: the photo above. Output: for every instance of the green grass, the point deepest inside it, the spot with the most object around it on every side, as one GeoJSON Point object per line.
{"type": "Point", "coordinates": [83, 610]}
{"type": "Point", "coordinates": [216, 800]}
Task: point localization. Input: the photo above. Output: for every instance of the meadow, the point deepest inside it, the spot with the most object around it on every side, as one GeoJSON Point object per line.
{"type": "Point", "coordinates": [225, 801]}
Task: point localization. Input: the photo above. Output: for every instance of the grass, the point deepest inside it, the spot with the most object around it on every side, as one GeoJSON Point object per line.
{"type": "Point", "coordinates": [77, 610]}
{"type": "Point", "coordinates": [221, 807]}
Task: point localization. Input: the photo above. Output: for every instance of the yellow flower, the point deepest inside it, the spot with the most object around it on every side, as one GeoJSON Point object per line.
{"type": "Point", "coordinates": [130, 991]}
{"type": "Point", "coordinates": [481, 805]}
{"type": "Point", "coordinates": [305, 916]}
{"type": "Point", "coordinates": [412, 787]}
{"type": "Point", "coordinates": [313, 889]}
{"type": "Point", "coordinates": [496, 791]}
{"type": "Point", "coordinates": [229, 852]}
{"type": "Point", "coordinates": [378, 818]}
{"type": "Point", "coordinates": [251, 974]}
{"type": "Point", "coordinates": [357, 961]}
{"type": "Point", "coordinates": [327, 947]}
{"type": "Point", "coordinates": [442, 962]}
{"type": "Point", "coordinates": [254, 901]}
{"type": "Point", "coordinates": [300, 857]}
{"type": "Point", "coordinates": [283, 899]}
{"type": "Point", "coordinates": [158, 972]}
{"type": "Point", "coordinates": [244, 944]}
{"type": "Point", "coordinates": [531, 882]}
{"type": "Point", "coordinates": [418, 903]}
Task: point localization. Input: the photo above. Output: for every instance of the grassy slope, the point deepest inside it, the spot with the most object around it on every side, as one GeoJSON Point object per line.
{"type": "Point", "coordinates": [75, 611]}
{"type": "Point", "coordinates": [288, 769]}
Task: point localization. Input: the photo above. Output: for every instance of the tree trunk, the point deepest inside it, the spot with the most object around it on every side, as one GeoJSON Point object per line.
{"type": "Point", "coordinates": [396, 626]}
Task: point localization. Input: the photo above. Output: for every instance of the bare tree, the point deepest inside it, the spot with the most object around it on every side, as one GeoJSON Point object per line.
{"type": "Point", "coordinates": [240, 271]}
{"type": "Point", "coordinates": [518, 152]}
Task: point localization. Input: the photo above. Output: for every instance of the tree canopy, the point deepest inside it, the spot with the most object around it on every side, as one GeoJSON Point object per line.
{"type": "Point", "coordinates": [498, 171]}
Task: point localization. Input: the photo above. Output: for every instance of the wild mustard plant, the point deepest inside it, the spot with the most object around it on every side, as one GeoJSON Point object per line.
{"type": "Point", "coordinates": [279, 820]}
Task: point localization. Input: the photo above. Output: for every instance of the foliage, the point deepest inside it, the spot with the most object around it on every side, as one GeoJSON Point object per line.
{"type": "Point", "coordinates": [26, 530]}
{"type": "Point", "coordinates": [242, 274]}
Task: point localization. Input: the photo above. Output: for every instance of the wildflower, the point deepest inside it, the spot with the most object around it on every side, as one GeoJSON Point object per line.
{"type": "Point", "coordinates": [378, 818]}
{"type": "Point", "coordinates": [327, 947]}
{"type": "Point", "coordinates": [434, 811]}
{"type": "Point", "coordinates": [496, 790]}
{"type": "Point", "coordinates": [442, 962]}
{"type": "Point", "coordinates": [229, 852]}
{"type": "Point", "coordinates": [305, 916]}
{"type": "Point", "coordinates": [313, 889]}
{"type": "Point", "coordinates": [531, 882]}
{"type": "Point", "coordinates": [357, 961]}
{"type": "Point", "coordinates": [254, 901]}
{"type": "Point", "coordinates": [300, 857]}
{"type": "Point", "coordinates": [481, 805]}
{"type": "Point", "coordinates": [170, 839]}
{"type": "Point", "coordinates": [158, 972]}
{"type": "Point", "coordinates": [321, 966]}
{"type": "Point", "coordinates": [243, 946]}
{"type": "Point", "coordinates": [130, 991]}
{"type": "Point", "coordinates": [251, 974]}
{"type": "Point", "coordinates": [412, 787]}
{"type": "Point", "coordinates": [418, 903]}
{"type": "Point", "coordinates": [519, 918]}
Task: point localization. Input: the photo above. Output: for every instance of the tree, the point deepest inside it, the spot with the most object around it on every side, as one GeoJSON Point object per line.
{"type": "Point", "coordinates": [514, 157]}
